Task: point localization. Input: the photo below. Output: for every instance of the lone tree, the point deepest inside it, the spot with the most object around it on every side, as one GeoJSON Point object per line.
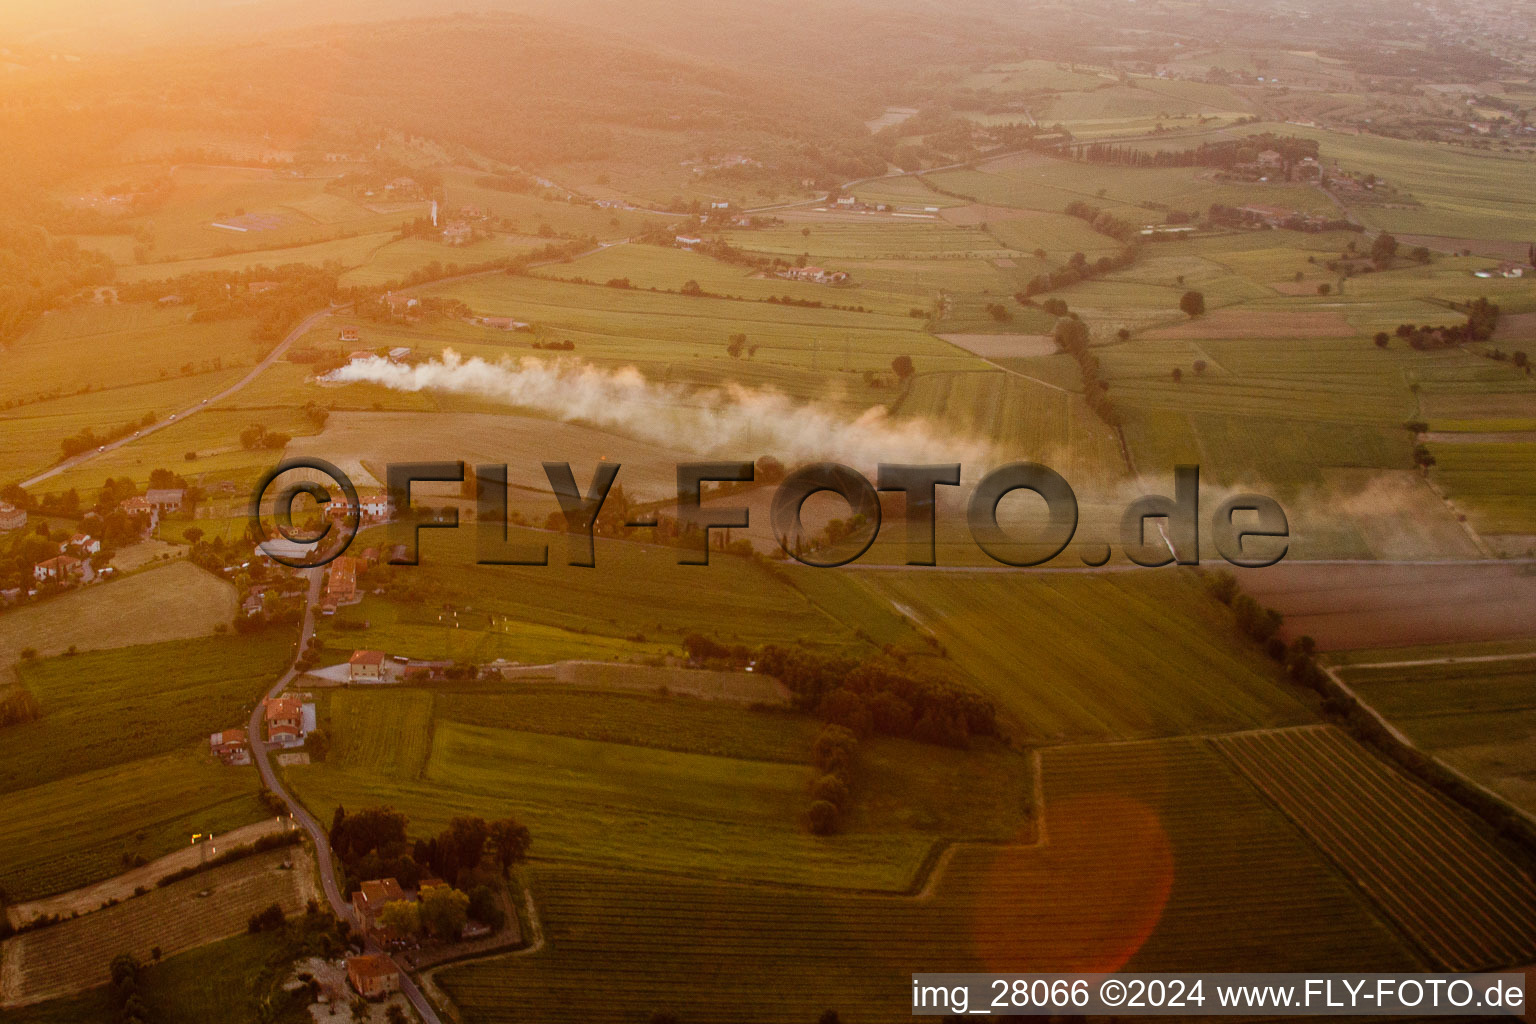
{"type": "Point", "coordinates": [1192, 303]}
{"type": "Point", "coordinates": [1383, 249]}
{"type": "Point", "coordinates": [1382, 337]}
{"type": "Point", "coordinates": [1199, 365]}
{"type": "Point", "coordinates": [902, 367]}
{"type": "Point", "coordinates": [1178, 375]}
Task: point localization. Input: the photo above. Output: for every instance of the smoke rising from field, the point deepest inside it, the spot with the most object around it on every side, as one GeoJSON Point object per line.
{"type": "Point", "coordinates": [729, 421]}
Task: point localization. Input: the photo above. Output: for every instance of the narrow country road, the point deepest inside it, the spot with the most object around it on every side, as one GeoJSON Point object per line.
{"type": "Point", "coordinates": [317, 832]}
{"type": "Point", "coordinates": [256, 371]}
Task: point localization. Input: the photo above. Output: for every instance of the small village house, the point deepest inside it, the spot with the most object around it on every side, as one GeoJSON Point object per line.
{"type": "Point", "coordinates": [81, 544]}
{"type": "Point", "coordinates": [373, 975]}
{"type": "Point", "coordinates": [370, 900]}
{"type": "Point", "coordinates": [285, 721]}
{"type": "Point", "coordinates": [376, 507]}
{"type": "Point", "coordinates": [350, 335]}
{"type": "Point", "coordinates": [400, 305]}
{"type": "Point", "coordinates": [230, 746]}
{"type": "Point", "coordinates": [135, 507]}
{"type": "Point", "coordinates": [60, 568]}
{"type": "Point", "coordinates": [341, 585]}
{"type": "Point", "coordinates": [11, 517]}
{"type": "Point", "coordinates": [166, 499]}
{"type": "Point", "coordinates": [367, 667]}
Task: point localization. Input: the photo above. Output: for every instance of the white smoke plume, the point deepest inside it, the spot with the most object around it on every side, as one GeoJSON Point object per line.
{"type": "Point", "coordinates": [730, 421]}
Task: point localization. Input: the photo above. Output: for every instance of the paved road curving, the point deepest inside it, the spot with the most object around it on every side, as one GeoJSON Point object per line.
{"type": "Point", "coordinates": [324, 861]}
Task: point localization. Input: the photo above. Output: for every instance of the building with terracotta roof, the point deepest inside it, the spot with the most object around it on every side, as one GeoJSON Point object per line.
{"type": "Point", "coordinates": [230, 746]}
{"type": "Point", "coordinates": [134, 507]}
{"type": "Point", "coordinates": [373, 975]}
{"type": "Point", "coordinates": [341, 585]}
{"type": "Point", "coordinates": [370, 900]}
{"type": "Point", "coordinates": [61, 568]}
{"type": "Point", "coordinates": [367, 667]}
{"type": "Point", "coordinates": [285, 721]}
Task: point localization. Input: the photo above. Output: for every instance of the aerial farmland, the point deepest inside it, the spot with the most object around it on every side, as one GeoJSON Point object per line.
{"type": "Point", "coordinates": [586, 513]}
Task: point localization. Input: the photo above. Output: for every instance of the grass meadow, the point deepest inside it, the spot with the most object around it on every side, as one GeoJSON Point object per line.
{"type": "Point", "coordinates": [1157, 854]}
{"type": "Point", "coordinates": [110, 771]}
{"type": "Point", "coordinates": [644, 796]}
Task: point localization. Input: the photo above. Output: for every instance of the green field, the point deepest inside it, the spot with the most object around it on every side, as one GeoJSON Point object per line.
{"type": "Point", "coordinates": [635, 589]}
{"type": "Point", "coordinates": [641, 805]}
{"type": "Point", "coordinates": [212, 984]}
{"type": "Point", "coordinates": [804, 352]}
{"type": "Point", "coordinates": [109, 707]}
{"type": "Point", "coordinates": [117, 763]}
{"type": "Point", "coordinates": [1037, 182]}
{"type": "Point", "coordinates": [1463, 194]}
{"type": "Point", "coordinates": [174, 602]}
{"type": "Point", "coordinates": [78, 829]}
{"type": "Point", "coordinates": [1074, 657]}
{"type": "Point", "coordinates": [1477, 716]}
{"type": "Point", "coordinates": [1492, 482]}
{"type": "Point", "coordinates": [1157, 855]}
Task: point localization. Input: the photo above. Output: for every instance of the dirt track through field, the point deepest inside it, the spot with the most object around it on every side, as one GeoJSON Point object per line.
{"type": "Point", "coordinates": [121, 887]}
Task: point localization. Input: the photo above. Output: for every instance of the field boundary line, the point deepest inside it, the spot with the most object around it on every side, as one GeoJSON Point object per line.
{"type": "Point", "coordinates": [1400, 737]}
{"type": "Point", "coordinates": [1421, 662]}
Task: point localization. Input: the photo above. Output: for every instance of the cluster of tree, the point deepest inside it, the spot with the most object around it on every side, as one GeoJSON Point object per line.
{"type": "Point", "coordinates": [17, 705]}
{"type": "Point", "coordinates": [1222, 215]}
{"type": "Point", "coordinates": [555, 345]}
{"type": "Point", "coordinates": [830, 791]}
{"type": "Point", "coordinates": [879, 695]}
{"type": "Point", "coordinates": [442, 912]}
{"type": "Point", "coordinates": [88, 439]}
{"type": "Point", "coordinates": [1482, 320]}
{"type": "Point", "coordinates": [1072, 337]}
{"type": "Point", "coordinates": [1227, 154]}
{"type": "Point", "coordinates": [257, 436]}
{"type": "Point", "coordinates": [1258, 623]}
{"type": "Point", "coordinates": [125, 972]}
{"type": "Point", "coordinates": [373, 844]}
{"type": "Point", "coordinates": [1104, 222]}
{"type": "Point", "coordinates": [39, 271]}
{"type": "Point", "coordinates": [269, 920]}
{"type": "Point", "coordinates": [736, 346]}
{"type": "Point", "coordinates": [284, 295]}
{"type": "Point", "coordinates": [1077, 268]}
